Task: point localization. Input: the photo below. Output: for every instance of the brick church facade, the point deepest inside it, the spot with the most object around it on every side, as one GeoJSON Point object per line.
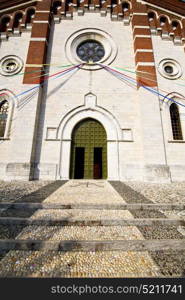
{"type": "Point", "coordinates": [92, 89]}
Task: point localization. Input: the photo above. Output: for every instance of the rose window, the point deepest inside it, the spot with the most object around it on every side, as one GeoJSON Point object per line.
{"type": "Point", "coordinates": [90, 51]}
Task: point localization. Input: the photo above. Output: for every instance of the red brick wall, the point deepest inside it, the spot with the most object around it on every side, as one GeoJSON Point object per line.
{"type": "Point", "coordinates": [143, 47]}
{"type": "Point", "coordinates": [36, 57]}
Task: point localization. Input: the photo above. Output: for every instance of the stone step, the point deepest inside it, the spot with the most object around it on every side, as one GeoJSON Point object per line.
{"type": "Point", "coordinates": [77, 233]}
{"type": "Point", "coordinates": [95, 232]}
{"type": "Point", "coordinates": [82, 206]}
{"type": "Point", "coordinates": [74, 221]}
{"type": "Point", "coordinates": [70, 214]}
{"type": "Point", "coordinates": [106, 245]}
{"type": "Point", "coordinates": [78, 264]}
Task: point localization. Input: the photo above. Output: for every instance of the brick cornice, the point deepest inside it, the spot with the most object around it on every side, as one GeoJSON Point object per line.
{"type": "Point", "coordinates": [12, 6]}
{"type": "Point", "coordinates": [172, 5]}
{"type": "Point", "coordinates": [9, 3]}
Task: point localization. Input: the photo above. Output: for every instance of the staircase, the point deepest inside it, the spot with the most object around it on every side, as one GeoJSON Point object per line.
{"type": "Point", "coordinates": [90, 228]}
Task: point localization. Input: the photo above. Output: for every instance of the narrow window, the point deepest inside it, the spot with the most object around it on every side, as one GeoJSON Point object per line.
{"type": "Point", "coordinates": [4, 24]}
{"type": "Point", "coordinates": [17, 20]}
{"type": "Point", "coordinates": [151, 16]}
{"type": "Point", "coordinates": [125, 6]}
{"type": "Point", "coordinates": [163, 21]}
{"type": "Point", "coordinates": [4, 108]}
{"type": "Point", "coordinates": [56, 6]}
{"type": "Point", "coordinates": [175, 122]}
{"type": "Point", "coordinates": [30, 15]}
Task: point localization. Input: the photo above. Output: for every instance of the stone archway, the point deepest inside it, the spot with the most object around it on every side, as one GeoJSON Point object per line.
{"type": "Point", "coordinates": [88, 150]}
{"type": "Point", "coordinates": [113, 131]}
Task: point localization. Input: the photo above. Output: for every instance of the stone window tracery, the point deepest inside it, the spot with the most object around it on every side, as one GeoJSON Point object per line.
{"type": "Point", "coordinates": [175, 122]}
{"type": "Point", "coordinates": [4, 110]}
{"type": "Point", "coordinates": [90, 50]}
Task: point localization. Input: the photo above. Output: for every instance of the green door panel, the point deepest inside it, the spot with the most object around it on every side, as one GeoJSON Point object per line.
{"type": "Point", "coordinates": [89, 134]}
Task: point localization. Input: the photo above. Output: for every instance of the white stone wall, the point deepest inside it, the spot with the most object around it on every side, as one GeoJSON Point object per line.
{"type": "Point", "coordinates": [131, 109]}
{"type": "Point", "coordinates": [175, 151]}
{"type": "Point", "coordinates": [113, 95]}
{"type": "Point", "coordinates": [15, 153]}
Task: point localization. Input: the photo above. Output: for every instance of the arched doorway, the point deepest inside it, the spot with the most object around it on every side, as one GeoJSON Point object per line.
{"type": "Point", "coordinates": [88, 150]}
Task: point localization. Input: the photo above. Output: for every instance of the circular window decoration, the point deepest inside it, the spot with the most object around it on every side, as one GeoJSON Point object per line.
{"type": "Point", "coordinates": [170, 69]}
{"type": "Point", "coordinates": [90, 51]}
{"type": "Point", "coordinates": [10, 65]}
{"type": "Point", "coordinates": [91, 47]}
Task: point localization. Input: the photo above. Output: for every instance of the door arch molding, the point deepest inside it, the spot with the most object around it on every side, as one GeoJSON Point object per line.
{"type": "Point", "coordinates": [113, 132]}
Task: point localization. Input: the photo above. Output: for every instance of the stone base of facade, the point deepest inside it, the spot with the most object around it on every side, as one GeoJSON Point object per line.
{"type": "Point", "coordinates": [16, 171]}
{"type": "Point", "coordinates": [147, 173]}
{"type": "Point", "coordinates": [177, 172]}
{"type": "Point", "coordinates": [49, 171]}
{"type": "Point", "coordinates": [156, 173]}
{"type": "Point", "coordinates": [28, 171]}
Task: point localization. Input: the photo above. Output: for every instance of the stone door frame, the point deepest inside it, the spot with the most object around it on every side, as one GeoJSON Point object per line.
{"type": "Point", "coordinates": [113, 131]}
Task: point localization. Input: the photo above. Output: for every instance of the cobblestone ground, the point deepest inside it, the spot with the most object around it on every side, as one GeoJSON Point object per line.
{"type": "Point", "coordinates": [171, 262]}
{"type": "Point", "coordinates": [92, 264]}
{"type": "Point", "coordinates": [17, 190]}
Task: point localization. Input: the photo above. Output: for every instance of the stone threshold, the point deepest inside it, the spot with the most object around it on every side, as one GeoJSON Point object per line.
{"type": "Point", "coordinates": [124, 206]}
{"type": "Point", "coordinates": [93, 222]}
{"type": "Point", "coordinates": [94, 246]}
